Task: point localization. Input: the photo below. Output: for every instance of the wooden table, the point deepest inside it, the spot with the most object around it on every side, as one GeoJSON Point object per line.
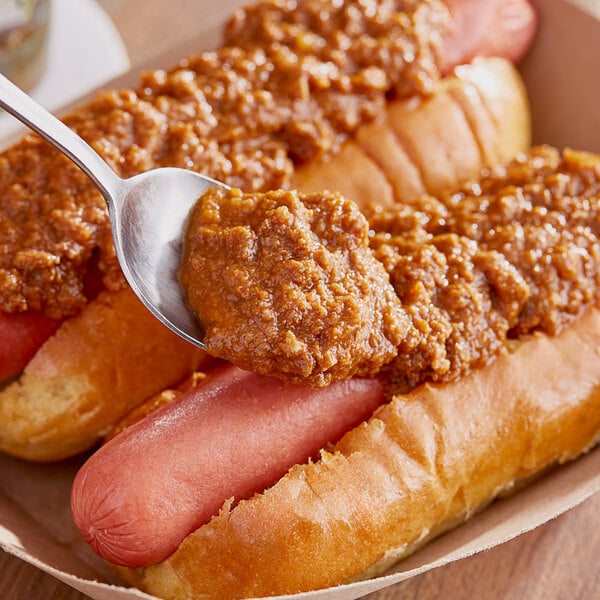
{"type": "Point", "coordinates": [555, 561]}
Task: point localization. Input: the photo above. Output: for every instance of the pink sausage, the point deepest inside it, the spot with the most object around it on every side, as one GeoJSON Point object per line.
{"type": "Point", "coordinates": [141, 494]}
{"type": "Point", "coordinates": [21, 335]}
{"type": "Point", "coordinates": [488, 28]}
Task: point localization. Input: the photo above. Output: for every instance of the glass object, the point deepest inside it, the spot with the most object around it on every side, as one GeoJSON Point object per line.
{"type": "Point", "coordinates": [23, 32]}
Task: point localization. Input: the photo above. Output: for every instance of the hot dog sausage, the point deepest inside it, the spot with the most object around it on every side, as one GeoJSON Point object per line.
{"type": "Point", "coordinates": [226, 439]}
{"type": "Point", "coordinates": [490, 28]}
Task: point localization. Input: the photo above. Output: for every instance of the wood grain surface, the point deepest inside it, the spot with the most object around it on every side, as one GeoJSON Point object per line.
{"type": "Point", "coordinates": [556, 561]}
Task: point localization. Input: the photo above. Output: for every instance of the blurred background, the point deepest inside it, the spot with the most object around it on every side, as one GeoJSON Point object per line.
{"type": "Point", "coordinates": [59, 50]}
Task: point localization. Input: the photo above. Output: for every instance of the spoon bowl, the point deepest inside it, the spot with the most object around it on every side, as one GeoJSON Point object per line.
{"type": "Point", "coordinates": [147, 222]}
{"type": "Point", "coordinates": [147, 214]}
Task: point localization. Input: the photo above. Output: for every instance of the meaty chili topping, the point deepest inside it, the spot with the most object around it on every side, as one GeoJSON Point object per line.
{"type": "Point", "coordinates": [293, 79]}
{"type": "Point", "coordinates": [517, 252]}
{"type": "Point", "coordinates": [286, 284]}
{"type": "Point", "coordinates": [291, 285]}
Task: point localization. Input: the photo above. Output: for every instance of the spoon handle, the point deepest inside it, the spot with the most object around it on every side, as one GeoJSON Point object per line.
{"type": "Point", "coordinates": [28, 111]}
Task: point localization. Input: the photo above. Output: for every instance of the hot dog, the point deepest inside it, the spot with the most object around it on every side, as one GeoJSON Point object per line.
{"type": "Point", "coordinates": [423, 462]}
{"type": "Point", "coordinates": [38, 408]}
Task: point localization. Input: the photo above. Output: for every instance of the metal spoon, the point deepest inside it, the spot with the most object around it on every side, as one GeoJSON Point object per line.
{"type": "Point", "coordinates": [147, 214]}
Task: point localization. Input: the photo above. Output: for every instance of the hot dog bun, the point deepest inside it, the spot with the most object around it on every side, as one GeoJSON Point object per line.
{"type": "Point", "coordinates": [100, 364]}
{"type": "Point", "coordinates": [423, 463]}
{"type": "Point", "coordinates": [113, 356]}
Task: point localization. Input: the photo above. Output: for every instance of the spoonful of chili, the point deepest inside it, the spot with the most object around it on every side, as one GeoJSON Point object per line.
{"type": "Point", "coordinates": [147, 213]}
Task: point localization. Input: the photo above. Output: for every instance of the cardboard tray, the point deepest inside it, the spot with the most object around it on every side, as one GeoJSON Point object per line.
{"type": "Point", "coordinates": [35, 522]}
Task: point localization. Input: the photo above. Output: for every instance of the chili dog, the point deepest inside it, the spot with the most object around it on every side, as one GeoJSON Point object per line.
{"type": "Point", "coordinates": [423, 462]}
{"type": "Point", "coordinates": [100, 495]}
{"type": "Point", "coordinates": [64, 399]}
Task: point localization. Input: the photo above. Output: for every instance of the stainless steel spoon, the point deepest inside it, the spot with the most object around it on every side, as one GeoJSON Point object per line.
{"type": "Point", "coordinates": [147, 213]}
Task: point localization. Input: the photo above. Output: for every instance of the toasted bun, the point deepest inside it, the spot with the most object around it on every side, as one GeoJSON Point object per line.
{"type": "Point", "coordinates": [477, 117]}
{"type": "Point", "coordinates": [425, 461]}
{"type": "Point", "coordinates": [95, 369]}
{"type": "Point", "coordinates": [114, 355]}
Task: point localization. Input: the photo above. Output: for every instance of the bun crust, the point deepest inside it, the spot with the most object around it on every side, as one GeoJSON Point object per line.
{"type": "Point", "coordinates": [95, 369]}
{"type": "Point", "coordinates": [424, 462]}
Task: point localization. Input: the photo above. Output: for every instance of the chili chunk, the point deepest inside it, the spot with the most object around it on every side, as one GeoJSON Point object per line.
{"type": "Point", "coordinates": [286, 284]}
